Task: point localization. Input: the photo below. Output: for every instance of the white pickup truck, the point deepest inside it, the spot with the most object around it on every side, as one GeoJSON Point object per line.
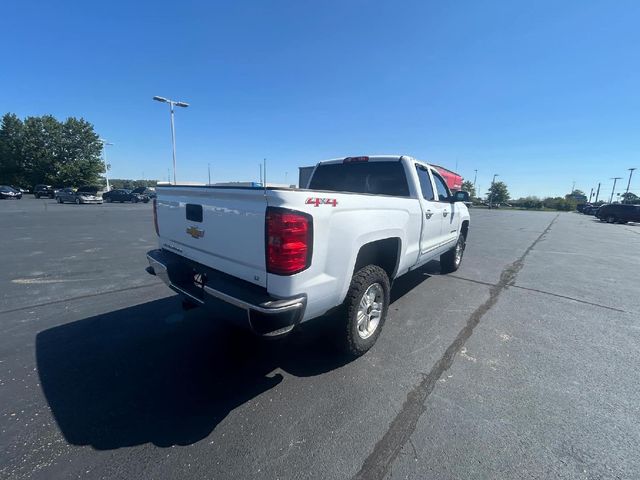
{"type": "Point", "coordinates": [281, 256]}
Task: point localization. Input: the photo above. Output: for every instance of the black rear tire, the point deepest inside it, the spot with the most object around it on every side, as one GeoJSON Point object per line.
{"type": "Point", "coordinates": [612, 219]}
{"type": "Point", "coordinates": [350, 335]}
{"type": "Point", "coordinates": [450, 261]}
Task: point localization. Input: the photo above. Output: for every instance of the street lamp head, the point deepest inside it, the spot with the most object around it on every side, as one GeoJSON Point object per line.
{"type": "Point", "coordinates": [160, 99]}
{"type": "Point", "coordinates": [181, 104]}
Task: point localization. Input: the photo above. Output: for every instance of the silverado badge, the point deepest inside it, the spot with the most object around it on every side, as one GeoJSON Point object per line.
{"type": "Point", "coordinates": [195, 232]}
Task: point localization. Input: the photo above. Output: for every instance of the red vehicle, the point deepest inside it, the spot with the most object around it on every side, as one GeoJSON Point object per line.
{"type": "Point", "coordinates": [454, 181]}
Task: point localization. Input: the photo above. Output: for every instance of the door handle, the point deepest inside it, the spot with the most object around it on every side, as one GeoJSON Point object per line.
{"type": "Point", "coordinates": [445, 213]}
{"type": "Point", "coordinates": [428, 214]}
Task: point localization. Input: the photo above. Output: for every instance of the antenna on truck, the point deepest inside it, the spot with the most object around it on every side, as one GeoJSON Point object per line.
{"type": "Point", "coordinates": [264, 169]}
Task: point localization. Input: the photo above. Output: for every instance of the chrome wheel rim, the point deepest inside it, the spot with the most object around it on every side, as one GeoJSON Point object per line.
{"type": "Point", "coordinates": [458, 252]}
{"type": "Point", "coordinates": [370, 311]}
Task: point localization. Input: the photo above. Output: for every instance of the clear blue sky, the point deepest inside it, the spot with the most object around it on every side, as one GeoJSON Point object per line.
{"type": "Point", "coordinates": [543, 93]}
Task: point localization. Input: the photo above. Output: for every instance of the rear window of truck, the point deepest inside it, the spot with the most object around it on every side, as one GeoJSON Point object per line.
{"type": "Point", "coordinates": [377, 178]}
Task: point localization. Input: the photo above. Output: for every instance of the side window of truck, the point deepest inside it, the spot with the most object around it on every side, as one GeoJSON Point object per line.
{"type": "Point", "coordinates": [441, 186]}
{"type": "Point", "coordinates": [425, 183]}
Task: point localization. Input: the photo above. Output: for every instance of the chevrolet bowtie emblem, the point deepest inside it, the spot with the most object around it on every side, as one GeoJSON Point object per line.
{"type": "Point", "coordinates": [195, 232]}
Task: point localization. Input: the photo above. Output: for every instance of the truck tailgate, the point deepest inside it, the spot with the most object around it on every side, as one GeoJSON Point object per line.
{"type": "Point", "coordinates": [222, 228]}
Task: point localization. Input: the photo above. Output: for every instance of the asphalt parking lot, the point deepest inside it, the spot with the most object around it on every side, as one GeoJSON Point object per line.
{"type": "Point", "coordinates": [523, 364]}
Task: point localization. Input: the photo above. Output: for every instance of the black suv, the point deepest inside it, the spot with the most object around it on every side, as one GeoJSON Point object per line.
{"type": "Point", "coordinates": [44, 191]}
{"type": "Point", "coordinates": [619, 213]}
{"type": "Point", "coordinates": [145, 191]}
{"type": "Point", "coordinates": [124, 195]}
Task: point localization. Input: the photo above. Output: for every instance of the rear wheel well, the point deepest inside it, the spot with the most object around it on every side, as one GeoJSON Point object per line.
{"type": "Point", "coordinates": [464, 230]}
{"type": "Point", "coordinates": [384, 253]}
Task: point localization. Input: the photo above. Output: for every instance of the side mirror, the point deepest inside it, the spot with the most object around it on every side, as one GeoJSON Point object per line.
{"type": "Point", "coordinates": [460, 196]}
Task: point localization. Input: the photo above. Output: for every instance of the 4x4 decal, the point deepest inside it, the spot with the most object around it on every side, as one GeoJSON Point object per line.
{"type": "Point", "coordinates": [321, 201]}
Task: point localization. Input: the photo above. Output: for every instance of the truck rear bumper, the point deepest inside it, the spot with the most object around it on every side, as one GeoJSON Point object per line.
{"type": "Point", "coordinates": [263, 314]}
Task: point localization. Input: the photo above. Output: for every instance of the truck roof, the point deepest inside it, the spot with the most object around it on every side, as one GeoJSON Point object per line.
{"type": "Point", "coordinates": [370, 158]}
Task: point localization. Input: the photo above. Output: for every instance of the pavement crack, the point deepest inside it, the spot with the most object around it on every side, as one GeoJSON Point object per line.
{"type": "Point", "coordinates": [566, 297]}
{"type": "Point", "coordinates": [387, 449]}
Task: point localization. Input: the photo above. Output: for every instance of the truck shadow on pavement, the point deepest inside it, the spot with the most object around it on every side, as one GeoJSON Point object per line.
{"type": "Point", "coordinates": [136, 375]}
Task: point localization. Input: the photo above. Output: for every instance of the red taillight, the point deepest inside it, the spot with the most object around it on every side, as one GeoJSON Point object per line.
{"type": "Point", "coordinates": [289, 238]}
{"type": "Point", "coordinates": [355, 159]}
{"type": "Point", "coordinates": [155, 216]}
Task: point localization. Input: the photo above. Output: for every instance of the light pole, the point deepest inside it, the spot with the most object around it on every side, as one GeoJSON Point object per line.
{"type": "Point", "coordinates": [209, 170]}
{"type": "Point", "coordinates": [615, 179]}
{"type": "Point", "coordinates": [626, 194]}
{"type": "Point", "coordinates": [475, 177]}
{"type": "Point", "coordinates": [104, 155]}
{"type": "Point", "coordinates": [172, 103]}
{"type": "Point", "coordinates": [491, 195]}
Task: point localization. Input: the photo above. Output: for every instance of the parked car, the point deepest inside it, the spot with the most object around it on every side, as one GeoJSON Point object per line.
{"type": "Point", "coordinates": [149, 192]}
{"type": "Point", "coordinates": [124, 195]}
{"type": "Point", "coordinates": [581, 206]}
{"type": "Point", "coordinates": [86, 194]}
{"type": "Point", "coordinates": [9, 193]}
{"type": "Point", "coordinates": [44, 191]}
{"type": "Point", "coordinates": [590, 209]}
{"type": "Point", "coordinates": [19, 189]}
{"type": "Point", "coordinates": [619, 213]}
{"type": "Point", "coordinates": [284, 256]}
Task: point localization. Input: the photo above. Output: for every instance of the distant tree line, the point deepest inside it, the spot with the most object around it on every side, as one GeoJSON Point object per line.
{"type": "Point", "coordinates": [566, 203]}
{"type": "Point", "coordinates": [128, 184]}
{"type": "Point", "coordinates": [44, 150]}
{"type": "Point", "coordinates": [499, 195]}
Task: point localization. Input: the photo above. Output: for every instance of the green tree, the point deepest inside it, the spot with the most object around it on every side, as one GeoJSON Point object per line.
{"type": "Point", "coordinates": [127, 183]}
{"type": "Point", "coordinates": [498, 193]}
{"type": "Point", "coordinates": [41, 146]}
{"type": "Point", "coordinates": [79, 161]}
{"type": "Point", "coordinates": [560, 203]}
{"type": "Point", "coordinates": [629, 197]}
{"type": "Point", "coordinates": [44, 150]}
{"type": "Point", "coordinates": [531, 202]}
{"type": "Point", "coordinates": [11, 158]}
{"type": "Point", "coordinates": [467, 186]}
{"type": "Point", "coordinates": [576, 196]}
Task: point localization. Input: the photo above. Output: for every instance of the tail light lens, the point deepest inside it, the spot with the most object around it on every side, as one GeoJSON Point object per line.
{"type": "Point", "coordinates": [155, 216]}
{"type": "Point", "coordinates": [289, 241]}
